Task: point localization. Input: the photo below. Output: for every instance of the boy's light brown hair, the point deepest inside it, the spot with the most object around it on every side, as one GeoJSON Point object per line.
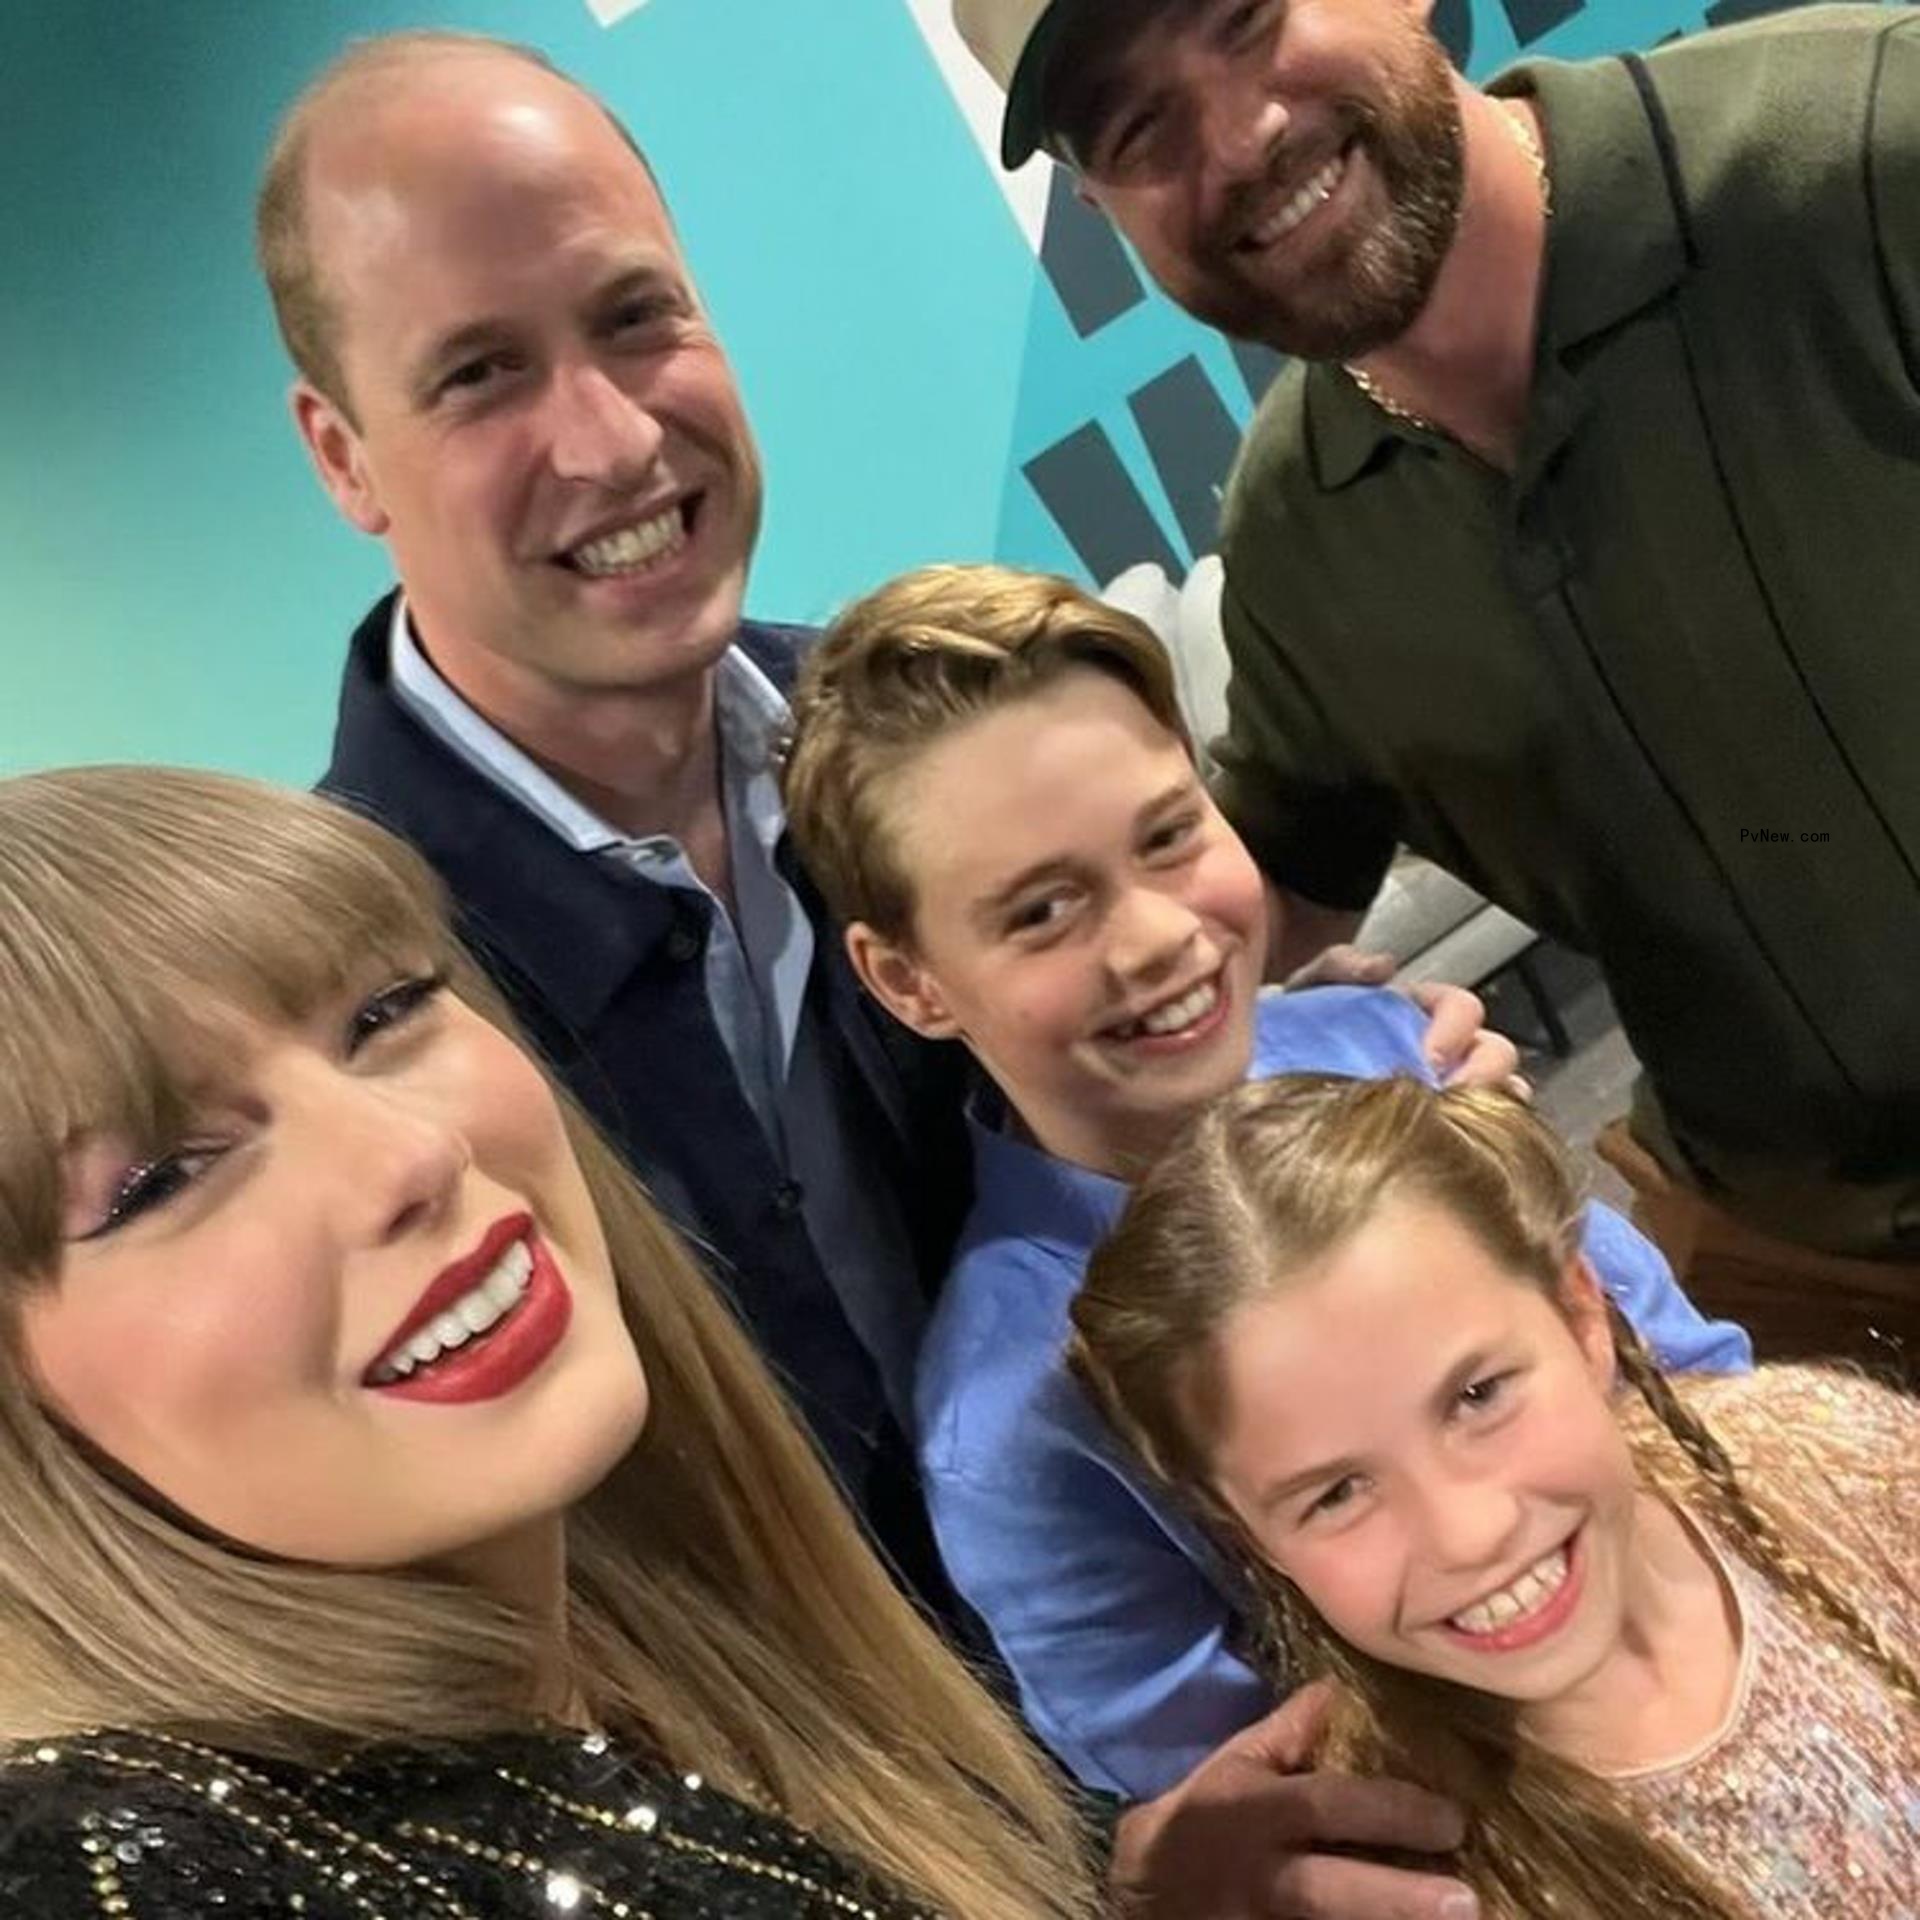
{"type": "Point", "coordinates": [900, 670]}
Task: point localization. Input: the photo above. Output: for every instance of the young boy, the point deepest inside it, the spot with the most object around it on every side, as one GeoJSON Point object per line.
{"type": "Point", "coordinates": [992, 784]}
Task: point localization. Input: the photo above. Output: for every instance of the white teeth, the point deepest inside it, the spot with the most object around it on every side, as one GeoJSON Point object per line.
{"type": "Point", "coordinates": [1524, 1596]}
{"type": "Point", "coordinates": [479, 1310]}
{"type": "Point", "coordinates": [450, 1330]}
{"type": "Point", "coordinates": [1316, 191]}
{"type": "Point", "coordinates": [472, 1314]}
{"type": "Point", "coordinates": [633, 549]}
{"type": "Point", "coordinates": [1176, 1015]}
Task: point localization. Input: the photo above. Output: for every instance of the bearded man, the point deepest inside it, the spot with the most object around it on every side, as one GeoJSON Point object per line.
{"type": "Point", "coordinates": [1576, 554]}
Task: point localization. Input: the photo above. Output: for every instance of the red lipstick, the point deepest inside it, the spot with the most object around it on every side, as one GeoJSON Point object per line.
{"type": "Point", "coordinates": [496, 1361]}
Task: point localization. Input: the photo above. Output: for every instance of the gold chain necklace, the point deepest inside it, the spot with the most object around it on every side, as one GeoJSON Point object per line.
{"type": "Point", "coordinates": [1519, 123]}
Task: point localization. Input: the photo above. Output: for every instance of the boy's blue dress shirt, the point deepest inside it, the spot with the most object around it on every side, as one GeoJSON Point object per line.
{"type": "Point", "coordinates": [1106, 1604]}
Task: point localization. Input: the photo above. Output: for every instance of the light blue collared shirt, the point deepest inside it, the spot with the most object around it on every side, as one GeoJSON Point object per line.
{"type": "Point", "coordinates": [757, 962]}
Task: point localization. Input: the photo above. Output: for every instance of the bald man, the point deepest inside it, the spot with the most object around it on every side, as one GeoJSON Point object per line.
{"type": "Point", "coordinates": [506, 374]}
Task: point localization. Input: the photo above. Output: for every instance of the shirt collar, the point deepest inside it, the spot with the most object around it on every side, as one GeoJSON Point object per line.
{"type": "Point", "coordinates": [750, 710]}
{"type": "Point", "coordinates": [1024, 1190]}
{"type": "Point", "coordinates": [1616, 242]}
{"type": "Point", "coordinates": [754, 718]}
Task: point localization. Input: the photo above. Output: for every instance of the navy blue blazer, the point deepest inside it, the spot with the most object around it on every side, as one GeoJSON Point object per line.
{"type": "Point", "coordinates": [606, 974]}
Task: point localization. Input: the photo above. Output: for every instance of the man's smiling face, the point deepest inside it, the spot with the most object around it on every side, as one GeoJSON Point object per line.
{"type": "Point", "coordinates": [539, 418]}
{"type": "Point", "coordinates": [1289, 171]}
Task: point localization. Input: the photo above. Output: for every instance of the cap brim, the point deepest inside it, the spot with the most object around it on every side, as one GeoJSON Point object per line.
{"type": "Point", "coordinates": [1023, 129]}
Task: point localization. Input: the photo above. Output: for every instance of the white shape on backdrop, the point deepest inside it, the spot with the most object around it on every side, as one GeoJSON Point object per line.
{"type": "Point", "coordinates": [608, 11]}
{"type": "Point", "coordinates": [980, 101]}
{"type": "Point", "coordinates": [1187, 619]}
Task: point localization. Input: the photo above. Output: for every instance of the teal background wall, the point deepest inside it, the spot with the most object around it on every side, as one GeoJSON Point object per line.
{"type": "Point", "coordinates": [174, 585]}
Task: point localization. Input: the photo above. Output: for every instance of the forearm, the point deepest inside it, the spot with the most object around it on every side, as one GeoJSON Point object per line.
{"type": "Point", "coordinates": [1299, 929]}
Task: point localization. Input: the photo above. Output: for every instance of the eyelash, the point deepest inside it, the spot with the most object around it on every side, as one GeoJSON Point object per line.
{"type": "Point", "coordinates": [470, 377]}
{"type": "Point", "coordinates": [1173, 834]}
{"type": "Point", "coordinates": [1492, 1385]}
{"type": "Point", "coordinates": [641, 313]}
{"type": "Point", "coordinates": [1037, 917]}
{"type": "Point", "coordinates": [391, 1007]}
{"type": "Point", "coordinates": [1128, 141]}
{"type": "Point", "coordinates": [1326, 1502]}
{"type": "Point", "coordinates": [154, 1182]}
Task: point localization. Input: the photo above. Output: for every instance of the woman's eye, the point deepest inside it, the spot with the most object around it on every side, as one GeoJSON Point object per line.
{"type": "Point", "coordinates": [152, 1184]}
{"type": "Point", "coordinates": [392, 1007]}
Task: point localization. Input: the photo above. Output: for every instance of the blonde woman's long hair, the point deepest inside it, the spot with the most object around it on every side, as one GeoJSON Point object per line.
{"type": "Point", "coordinates": [1264, 1185]}
{"type": "Point", "coordinates": [725, 1612]}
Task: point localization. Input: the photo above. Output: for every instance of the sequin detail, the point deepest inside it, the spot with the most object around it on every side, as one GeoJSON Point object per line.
{"type": "Point", "coordinates": [1808, 1801]}
{"type": "Point", "coordinates": [509, 1829]}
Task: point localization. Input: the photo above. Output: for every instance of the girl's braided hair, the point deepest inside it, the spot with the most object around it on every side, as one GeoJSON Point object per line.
{"type": "Point", "coordinates": [1266, 1183]}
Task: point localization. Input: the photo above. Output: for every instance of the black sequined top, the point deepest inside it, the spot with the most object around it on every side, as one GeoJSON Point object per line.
{"type": "Point", "coordinates": [138, 1827]}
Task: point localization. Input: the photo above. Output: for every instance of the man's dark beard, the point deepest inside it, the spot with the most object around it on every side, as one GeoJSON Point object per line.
{"type": "Point", "coordinates": [1353, 304]}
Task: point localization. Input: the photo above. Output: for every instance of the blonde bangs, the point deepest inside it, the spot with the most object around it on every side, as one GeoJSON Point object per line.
{"type": "Point", "coordinates": [140, 909]}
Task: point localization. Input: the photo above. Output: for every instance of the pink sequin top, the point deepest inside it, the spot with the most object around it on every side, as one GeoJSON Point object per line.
{"type": "Point", "coordinates": [1806, 1799]}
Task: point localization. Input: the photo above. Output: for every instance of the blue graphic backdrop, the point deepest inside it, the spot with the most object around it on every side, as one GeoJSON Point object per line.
{"type": "Point", "coordinates": [928, 377]}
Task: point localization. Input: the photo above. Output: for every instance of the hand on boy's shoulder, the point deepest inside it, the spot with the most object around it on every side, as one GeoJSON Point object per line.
{"type": "Point", "coordinates": [1464, 1050]}
{"type": "Point", "coordinates": [1246, 1836]}
{"type": "Point", "coordinates": [1344, 965]}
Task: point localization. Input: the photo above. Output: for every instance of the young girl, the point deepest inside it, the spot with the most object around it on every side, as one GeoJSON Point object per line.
{"type": "Point", "coordinates": [1658, 1639]}
{"type": "Point", "coordinates": [391, 1521]}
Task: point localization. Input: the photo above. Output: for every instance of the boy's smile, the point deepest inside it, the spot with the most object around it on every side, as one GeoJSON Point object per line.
{"type": "Point", "coordinates": [1177, 1020]}
{"type": "Point", "coordinates": [1083, 918]}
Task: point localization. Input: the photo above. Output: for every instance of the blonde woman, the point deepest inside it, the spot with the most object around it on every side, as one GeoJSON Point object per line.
{"type": "Point", "coordinates": [1657, 1638]}
{"type": "Point", "coordinates": [391, 1522]}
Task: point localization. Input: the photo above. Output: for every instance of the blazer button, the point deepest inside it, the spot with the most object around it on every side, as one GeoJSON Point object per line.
{"type": "Point", "coordinates": [682, 944]}
{"type": "Point", "coordinates": [787, 1197]}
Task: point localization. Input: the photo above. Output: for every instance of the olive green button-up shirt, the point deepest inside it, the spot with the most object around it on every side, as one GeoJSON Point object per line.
{"type": "Point", "coordinates": [1657, 692]}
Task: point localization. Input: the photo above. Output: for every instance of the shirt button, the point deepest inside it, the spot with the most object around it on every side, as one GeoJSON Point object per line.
{"type": "Point", "coordinates": [787, 1197]}
{"type": "Point", "coordinates": [682, 943]}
